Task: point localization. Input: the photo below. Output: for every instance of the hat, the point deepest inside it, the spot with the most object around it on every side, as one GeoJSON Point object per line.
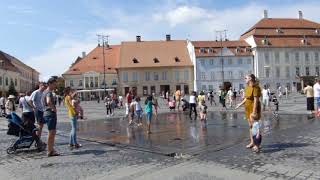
{"type": "Point", "coordinates": [11, 97]}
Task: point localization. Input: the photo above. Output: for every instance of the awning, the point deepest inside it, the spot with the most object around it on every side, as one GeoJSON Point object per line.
{"type": "Point", "coordinates": [94, 90]}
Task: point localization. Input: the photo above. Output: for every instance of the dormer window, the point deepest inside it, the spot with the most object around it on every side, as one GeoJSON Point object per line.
{"type": "Point", "coordinates": [203, 50]}
{"type": "Point", "coordinates": [317, 31]}
{"type": "Point", "coordinates": [278, 30]}
{"type": "Point", "coordinates": [156, 60]}
{"type": "Point", "coordinates": [177, 59]}
{"type": "Point", "coordinates": [134, 60]}
{"type": "Point", "coordinates": [304, 41]}
{"type": "Point", "coordinates": [248, 49]}
{"type": "Point", "coordinates": [238, 50]}
{"type": "Point", "coordinates": [94, 58]}
{"type": "Point", "coordinates": [265, 41]}
{"type": "Point", "coordinates": [211, 50]}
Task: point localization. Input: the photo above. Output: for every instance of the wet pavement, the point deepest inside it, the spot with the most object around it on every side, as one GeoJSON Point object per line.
{"type": "Point", "coordinates": [176, 133]}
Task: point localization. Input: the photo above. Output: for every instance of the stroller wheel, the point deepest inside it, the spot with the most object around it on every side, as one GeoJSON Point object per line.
{"type": "Point", "coordinates": [11, 150]}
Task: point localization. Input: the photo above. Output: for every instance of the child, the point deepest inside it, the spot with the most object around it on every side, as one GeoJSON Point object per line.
{"type": "Point", "coordinates": [256, 134]}
{"type": "Point", "coordinates": [149, 112]}
{"type": "Point", "coordinates": [138, 110]}
{"type": "Point", "coordinates": [172, 105]}
{"type": "Point", "coordinates": [276, 104]}
{"type": "Point", "coordinates": [132, 110]}
{"type": "Point", "coordinates": [108, 103]}
{"type": "Point", "coordinates": [76, 104]}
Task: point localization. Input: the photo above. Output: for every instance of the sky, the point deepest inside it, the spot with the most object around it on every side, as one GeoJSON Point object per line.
{"type": "Point", "coordinates": [49, 35]}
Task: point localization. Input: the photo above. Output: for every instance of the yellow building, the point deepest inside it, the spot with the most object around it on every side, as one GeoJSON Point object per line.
{"type": "Point", "coordinates": [156, 66]}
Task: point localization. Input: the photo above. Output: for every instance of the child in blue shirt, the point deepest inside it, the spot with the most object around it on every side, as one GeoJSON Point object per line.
{"type": "Point", "coordinates": [149, 112]}
{"type": "Point", "coordinates": [257, 137]}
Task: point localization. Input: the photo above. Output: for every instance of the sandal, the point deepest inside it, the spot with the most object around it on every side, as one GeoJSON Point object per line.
{"type": "Point", "coordinates": [53, 153]}
{"type": "Point", "coordinates": [249, 146]}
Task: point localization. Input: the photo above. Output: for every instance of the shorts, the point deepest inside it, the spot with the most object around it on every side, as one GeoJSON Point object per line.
{"type": "Point", "coordinates": [51, 121]}
{"type": "Point", "coordinates": [39, 117]}
{"type": "Point", "coordinates": [265, 101]}
{"type": "Point", "coordinates": [318, 102]}
{"type": "Point", "coordinates": [139, 113]}
{"type": "Point", "coordinates": [310, 103]}
{"type": "Point", "coordinates": [257, 141]}
{"type": "Point", "coordinates": [149, 117]}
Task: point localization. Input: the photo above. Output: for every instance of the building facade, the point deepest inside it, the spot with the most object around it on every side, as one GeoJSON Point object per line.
{"type": "Point", "coordinates": [218, 62]}
{"type": "Point", "coordinates": [286, 51]}
{"type": "Point", "coordinates": [156, 66]}
{"type": "Point", "coordinates": [89, 71]}
{"type": "Point", "coordinates": [21, 75]}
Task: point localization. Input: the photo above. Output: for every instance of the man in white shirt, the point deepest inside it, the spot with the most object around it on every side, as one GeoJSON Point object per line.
{"type": "Point", "coordinates": [316, 89]}
{"type": "Point", "coordinates": [2, 106]}
{"type": "Point", "coordinates": [265, 98]}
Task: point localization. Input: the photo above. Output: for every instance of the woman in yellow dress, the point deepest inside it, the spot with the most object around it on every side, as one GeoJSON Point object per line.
{"type": "Point", "coordinates": [252, 103]}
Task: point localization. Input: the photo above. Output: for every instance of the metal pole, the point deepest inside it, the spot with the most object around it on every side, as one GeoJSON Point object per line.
{"type": "Point", "coordinates": [221, 54]}
{"type": "Point", "coordinates": [104, 39]}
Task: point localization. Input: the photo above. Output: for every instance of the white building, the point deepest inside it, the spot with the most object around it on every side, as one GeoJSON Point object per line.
{"type": "Point", "coordinates": [218, 62]}
{"type": "Point", "coordinates": [286, 51]}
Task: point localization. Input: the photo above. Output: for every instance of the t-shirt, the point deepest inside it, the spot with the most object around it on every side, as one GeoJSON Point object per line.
{"type": "Point", "coordinates": [255, 128]}
{"type": "Point", "coordinates": [24, 104]}
{"type": "Point", "coordinates": [201, 99]}
{"type": "Point", "coordinates": [308, 91]}
{"type": "Point", "coordinates": [36, 98]}
{"type": "Point", "coordinates": [230, 93]}
{"type": "Point", "coordinates": [265, 94]}
{"type": "Point", "coordinates": [2, 103]}
{"type": "Point", "coordinates": [47, 109]}
{"type": "Point", "coordinates": [192, 99]}
{"type": "Point", "coordinates": [148, 107]}
{"type": "Point", "coordinates": [316, 89]}
{"type": "Point", "coordinates": [129, 98]}
{"type": "Point", "coordinates": [137, 105]}
{"type": "Point", "coordinates": [71, 109]}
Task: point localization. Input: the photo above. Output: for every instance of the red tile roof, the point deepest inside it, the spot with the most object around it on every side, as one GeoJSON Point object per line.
{"type": "Point", "coordinates": [7, 65]}
{"type": "Point", "coordinates": [145, 53]}
{"type": "Point", "coordinates": [238, 48]}
{"type": "Point", "coordinates": [94, 61]}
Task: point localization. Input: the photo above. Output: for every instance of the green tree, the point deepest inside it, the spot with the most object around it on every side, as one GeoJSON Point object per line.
{"type": "Point", "coordinates": [60, 85]}
{"type": "Point", "coordinates": [12, 89]}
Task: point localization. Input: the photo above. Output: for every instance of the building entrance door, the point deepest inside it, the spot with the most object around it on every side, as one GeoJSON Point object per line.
{"type": "Point", "coordinates": [164, 89]}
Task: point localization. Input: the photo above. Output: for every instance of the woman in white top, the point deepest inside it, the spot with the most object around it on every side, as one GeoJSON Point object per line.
{"type": "Point", "coordinates": [10, 106]}
{"type": "Point", "coordinates": [193, 104]}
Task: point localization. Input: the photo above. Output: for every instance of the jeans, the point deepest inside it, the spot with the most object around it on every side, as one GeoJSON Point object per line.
{"type": "Point", "coordinates": [73, 133]}
{"type": "Point", "coordinates": [194, 107]}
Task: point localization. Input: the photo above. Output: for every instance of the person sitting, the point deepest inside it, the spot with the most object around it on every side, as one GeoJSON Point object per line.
{"type": "Point", "coordinates": [185, 104]}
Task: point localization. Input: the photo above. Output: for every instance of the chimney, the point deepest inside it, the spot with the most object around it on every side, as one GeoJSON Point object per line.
{"type": "Point", "coordinates": [300, 15]}
{"type": "Point", "coordinates": [265, 14]}
{"type": "Point", "coordinates": [138, 38]}
{"type": "Point", "coordinates": [168, 37]}
{"type": "Point", "coordinates": [84, 54]}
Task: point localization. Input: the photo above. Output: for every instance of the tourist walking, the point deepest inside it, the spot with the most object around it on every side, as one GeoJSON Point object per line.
{"type": "Point", "coordinates": [50, 115]}
{"type": "Point", "coordinates": [202, 106]}
{"type": "Point", "coordinates": [178, 98]}
{"type": "Point", "coordinates": [36, 101]}
{"type": "Point", "coordinates": [252, 103]}
{"type": "Point", "coordinates": [68, 97]}
{"type": "Point", "coordinates": [308, 91]}
{"type": "Point", "coordinates": [316, 89]}
{"type": "Point", "coordinates": [265, 98]}
{"type": "Point", "coordinates": [193, 104]}
{"type": "Point", "coordinates": [149, 112]}
{"type": "Point", "coordinates": [211, 97]}
{"type": "Point", "coordinates": [129, 97]}
{"type": "Point", "coordinates": [137, 109]}
{"type": "Point", "coordinates": [108, 104]}
{"type": "Point", "coordinates": [2, 106]}
{"type": "Point", "coordinates": [230, 95]}
{"type": "Point", "coordinates": [223, 95]}
{"type": "Point", "coordinates": [156, 104]}
{"type": "Point", "coordinates": [10, 104]}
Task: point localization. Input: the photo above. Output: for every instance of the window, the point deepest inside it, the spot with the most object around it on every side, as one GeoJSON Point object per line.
{"type": "Point", "coordinates": [229, 61]}
{"type": "Point", "coordinates": [147, 76]}
{"type": "Point", "coordinates": [267, 72]}
{"type": "Point", "coordinates": [240, 61]}
{"type": "Point", "coordinates": [249, 61]}
{"type": "Point", "coordinates": [266, 58]}
{"type": "Point", "coordinates": [277, 72]}
{"type": "Point", "coordinates": [114, 82]}
{"type": "Point", "coordinates": [307, 59]}
{"type": "Point", "coordinates": [277, 57]}
{"type": "Point", "coordinates": [210, 50]}
{"type": "Point", "coordinates": [156, 60]}
{"type": "Point", "coordinates": [145, 90]}
{"type": "Point", "coordinates": [204, 87]}
{"type": "Point", "coordinates": [135, 76]}
{"type": "Point", "coordinates": [203, 50]}
{"type": "Point", "coordinates": [210, 87]}
{"type": "Point", "coordinates": [91, 82]}
{"type": "Point", "coordinates": [7, 81]}
{"type": "Point", "coordinates": [241, 74]}
{"type": "Point", "coordinates": [316, 57]}
{"type": "Point", "coordinates": [15, 82]}
{"type": "Point", "coordinates": [0, 81]}
{"type": "Point", "coordinates": [155, 76]}
{"type": "Point", "coordinates": [87, 82]}
{"type": "Point", "coordinates": [203, 76]}
{"type": "Point", "coordinates": [125, 76]}
{"type": "Point", "coordinates": [317, 72]}
{"type": "Point", "coordinates": [164, 75]}
{"type": "Point", "coordinates": [230, 74]}
{"type": "Point", "coordinates": [71, 83]}
{"type": "Point", "coordinates": [134, 60]}
{"type": "Point", "coordinates": [177, 75]}
{"type": "Point", "coordinates": [287, 71]}
{"type": "Point", "coordinates": [297, 57]}
{"type": "Point", "coordinates": [287, 57]}
{"type": "Point", "coordinates": [203, 62]}
{"type": "Point", "coordinates": [80, 83]}
{"type": "Point", "coordinates": [297, 71]}
{"type": "Point", "coordinates": [307, 71]}
{"type": "Point", "coordinates": [96, 82]}
{"type": "Point", "coordinates": [211, 62]}
{"type": "Point", "coordinates": [186, 75]}
{"type": "Point", "coordinates": [212, 75]}
{"type": "Point", "coordinates": [177, 59]}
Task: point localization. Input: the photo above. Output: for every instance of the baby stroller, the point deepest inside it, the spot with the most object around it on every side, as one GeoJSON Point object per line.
{"type": "Point", "coordinates": [27, 135]}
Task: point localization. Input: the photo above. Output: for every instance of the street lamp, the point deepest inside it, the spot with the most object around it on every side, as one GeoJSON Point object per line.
{"type": "Point", "coordinates": [221, 54]}
{"type": "Point", "coordinates": [104, 39]}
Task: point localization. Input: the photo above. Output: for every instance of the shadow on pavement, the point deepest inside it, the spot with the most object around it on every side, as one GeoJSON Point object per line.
{"type": "Point", "coordinates": [272, 148]}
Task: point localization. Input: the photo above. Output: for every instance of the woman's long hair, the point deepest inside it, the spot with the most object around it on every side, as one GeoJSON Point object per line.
{"type": "Point", "coordinates": [67, 91]}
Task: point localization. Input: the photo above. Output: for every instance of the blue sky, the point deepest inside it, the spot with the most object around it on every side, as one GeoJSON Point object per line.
{"type": "Point", "coordinates": [49, 35]}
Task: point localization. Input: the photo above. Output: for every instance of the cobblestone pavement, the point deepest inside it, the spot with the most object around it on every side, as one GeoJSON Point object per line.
{"type": "Point", "coordinates": [289, 153]}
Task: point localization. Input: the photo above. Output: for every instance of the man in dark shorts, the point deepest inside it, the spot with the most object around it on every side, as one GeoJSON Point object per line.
{"type": "Point", "coordinates": [50, 114]}
{"type": "Point", "coordinates": [36, 101]}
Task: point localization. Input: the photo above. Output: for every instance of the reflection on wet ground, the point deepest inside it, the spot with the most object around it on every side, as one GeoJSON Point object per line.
{"type": "Point", "coordinates": [177, 133]}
